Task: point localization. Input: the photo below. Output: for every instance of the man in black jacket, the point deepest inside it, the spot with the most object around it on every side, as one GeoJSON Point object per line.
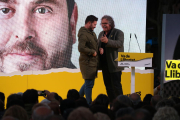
{"type": "Point", "coordinates": [111, 41]}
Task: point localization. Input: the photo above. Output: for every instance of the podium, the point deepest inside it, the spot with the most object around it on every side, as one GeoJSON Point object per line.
{"type": "Point", "coordinates": [126, 59]}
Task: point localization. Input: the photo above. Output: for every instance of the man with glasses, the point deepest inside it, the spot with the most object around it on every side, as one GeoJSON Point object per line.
{"type": "Point", "coordinates": [111, 41]}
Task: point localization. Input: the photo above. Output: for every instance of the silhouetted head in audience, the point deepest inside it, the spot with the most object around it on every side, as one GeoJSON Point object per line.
{"type": "Point", "coordinates": [13, 97]}
{"type": "Point", "coordinates": [2, 96]}
{"type": "Point", "coordinates": [66, 104]}
{"type": "Point", "coordinates": [124, 111]}
{"type": "Point", "coordinates": [126, 117]}
{"type": "Point", "coordinates": [1, 106]}
{"type": "Point", "coordinates": [101, 99]}
{"type": "Point", "coordinates": [38, 105]}
{"type": "Point", "coordinates": [165, 102]}
{"type": "Point", "coordinates": [54, 105]}
{"type": "Point", "coordinates": [177, 108]}
{"type": "Point", "coordinates": [136, 99]}
{"type": "Point", "coordinates": [81, 113]}
{"type": "Point", "coordinates": [41, 113]}
{"type": "Point", "coordinates": [58, 98]}
{"type": "Point", "coordinates": [55, 117]}
{"type": "Point", "coordinates": [73, 94]}
{"type": "Point", "coordinates": [17, 112]}
{"type": "Point", "coordinates": [141, 114]}
{"type": "Point", "coordinates": [30, 96]}
{"type": "Point", "coordinates": [15, 102]}
{"type": "Point", "coordinates": [117, 105]}
{"type": "Point", "coordinates": [81, 102]}
{"type": "Point", "coordinates": [9, 118]}
{"type": "Point", "coordinates": [147, 99]}
{"type": "Point", "coordinates": [175, 99]}
{"type": "Point", "coordinates": [99, 108]}
{"type": "Point", "coordinates": [150, 109]}
{"type": "Point", "coordinates": [101, 116]}
{"type": "Point", "coordinates": [166, 113]}
{"type": "Point", "coordinates": [155, 99]}
{"type": "Point", "coordinates": [67, 112]}
{"type": "Point", "coordinates": [125, 99]}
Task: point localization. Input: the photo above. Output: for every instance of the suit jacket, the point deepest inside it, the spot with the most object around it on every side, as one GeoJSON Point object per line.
{"type": "Point", "coordinates": [115, 44]}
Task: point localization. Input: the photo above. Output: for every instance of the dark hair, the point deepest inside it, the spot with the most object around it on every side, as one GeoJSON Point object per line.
{"type": "Point", "coordinates": [30, 96]}
{"type": "Point", "coordinates": [73, 94]}
{"type": "Point", "coordinates": [110, 20]}
{"type": "Point", "coordinates": [2, 96]}
{"type": "Point", "coordinates": [99, 108]}
{"type": "Point", "coordinates": [58, 98]}
{"type": "Point", "coordinates": [118, 105]}
{"type": "Point", "coordinates": [91, 18]}
{"type": "Point", "coordinates": [14, 97]}
{"type": "Point", "coordinates": [66, 104]}
{"type": "Point", "coordinates": [165, 102]}
{"type": "Point", "coordinates": [141, 114]}
{"type": "Point", "coordinates": [147, 99]}
{"type": "Point", "coordinates": [18, 102]}
{"type": "Point", "coordinates": [101, 100]}
{"type": "Point", "coordinates": [124, 111]}
{"type": "Point", "coordinates": [70, 6]}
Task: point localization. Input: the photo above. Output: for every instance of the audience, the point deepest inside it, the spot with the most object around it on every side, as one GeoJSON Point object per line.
{"type": "Point", "coordinates": [30, 98]}
{"type": "Point", "coordinates": [166, 113]}
{"type": "Point", "coordinates": [16, 111]}
{"type": "Point", "coordinates": [155, 99]}
{"type": "Point", "coordinates": [25, 106]}
{"type": "Point", "coordinates": [101, 116]}
{"type": "Point", "coordinates": [136, 99]}
{"type": "Point", "coordinates": [73, 94]}
{"type": "Point", "coordinates": [81, 113]}
{"type": "Point", "coordinates": [101, 100]}
{"type": "Point", "coordinates": [9, 118]}
{"type": "Point", "coordinates": [42, 113]}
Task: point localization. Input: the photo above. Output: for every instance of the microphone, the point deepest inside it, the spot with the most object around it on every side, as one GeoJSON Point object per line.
{"type": "Point", "coordinates": [129, 42]}
{"type": "Point", "coordinates": [135, 36]}
{"type": "Point", "coordinates": [137, 42]}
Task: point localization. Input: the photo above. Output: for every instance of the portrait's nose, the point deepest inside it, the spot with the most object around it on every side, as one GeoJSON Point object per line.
{"type": "Point", "coordinates": [23, 30]}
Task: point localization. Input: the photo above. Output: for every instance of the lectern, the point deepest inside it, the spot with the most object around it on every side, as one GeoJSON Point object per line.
{"type": "Point", "coordinates": [126, 59]}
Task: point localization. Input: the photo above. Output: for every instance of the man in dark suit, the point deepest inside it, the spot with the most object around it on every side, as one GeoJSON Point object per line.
{"type": "Point", "coordinates": [111, 41]}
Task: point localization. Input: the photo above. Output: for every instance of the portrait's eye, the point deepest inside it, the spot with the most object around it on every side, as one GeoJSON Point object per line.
{"type": "Point", "coordinates": [43, 10]}
{"type": "Point", "coordinates": [6, 13]}
{"type": "Point", "coordinates": [6, 10]}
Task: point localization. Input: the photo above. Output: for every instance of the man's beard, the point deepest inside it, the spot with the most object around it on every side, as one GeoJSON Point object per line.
{"type": "Point", "coordinates": [91, 28]}
{"type": "Point", "coordinates": [27, 47]}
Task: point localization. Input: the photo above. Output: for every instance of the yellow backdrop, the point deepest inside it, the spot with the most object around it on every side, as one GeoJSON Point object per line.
{"type": "Point", "coordinates": [61, 82]}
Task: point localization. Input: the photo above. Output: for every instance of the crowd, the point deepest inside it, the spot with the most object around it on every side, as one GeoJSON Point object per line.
{"type": "Point", "coordinates": [25, 106]}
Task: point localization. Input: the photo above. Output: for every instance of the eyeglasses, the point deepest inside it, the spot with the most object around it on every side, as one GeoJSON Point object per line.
{"type": "Point", "coordinates": [104, 23]}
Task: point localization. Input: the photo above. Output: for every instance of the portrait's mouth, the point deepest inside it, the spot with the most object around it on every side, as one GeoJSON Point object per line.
{"type": "Point", "coordinates": [23, 56]}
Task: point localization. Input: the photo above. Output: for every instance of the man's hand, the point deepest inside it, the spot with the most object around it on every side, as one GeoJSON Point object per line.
{"type": "Point", "coordinates": [95, 54]}
{"type": "Point", "coordinates": [101, 50]}
{"type": "Point", "coordinates": [50, 96]}
{"type": "Point", "coordinates": [104, 39]}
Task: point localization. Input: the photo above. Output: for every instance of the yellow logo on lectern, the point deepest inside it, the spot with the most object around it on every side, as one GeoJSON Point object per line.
{"type": "Point", "coordinates": [126, 56]}
{"type": "Point", "coordinates": [172, 70]}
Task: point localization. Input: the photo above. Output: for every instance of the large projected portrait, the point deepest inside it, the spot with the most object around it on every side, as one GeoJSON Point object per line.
{"type": "Point", "coordinates": [38, 35]}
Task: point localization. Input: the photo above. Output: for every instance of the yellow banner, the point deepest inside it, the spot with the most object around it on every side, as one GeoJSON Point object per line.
{"type": "Point", "coordinates": [172, 70]}
{"type": "Point", "coordinates": [125, 56]}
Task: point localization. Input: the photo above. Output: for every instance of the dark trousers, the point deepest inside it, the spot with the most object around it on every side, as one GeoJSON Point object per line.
{"type": "Point", "coordinates": [112, 83]}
